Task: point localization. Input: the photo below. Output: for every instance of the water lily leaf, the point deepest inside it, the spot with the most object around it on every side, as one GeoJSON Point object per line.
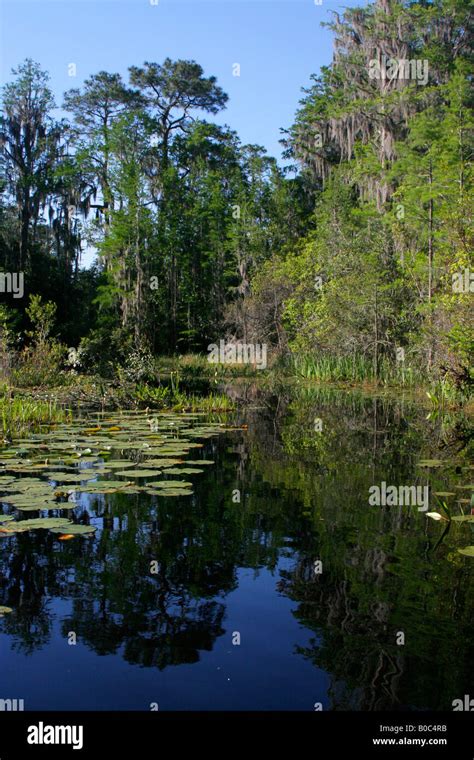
{"type": "Point", "coordinates": [104, 485]}
{"type": "Point", "coordinates": [66, 477]}
{"type": "Point", "coordinates": [75, 530]}
{"type": "Point", "coordinates": [430, 463]}
{"type": "Point", "coordinates": [182, 471]}
{"type": "Point", "coordinates": [126, 444]}
{"type": "Point", "coordinates": [468, 551]}
{"type": "Point", "coordinates": [39, 523]}
{"type": "Point", "coordinates": [4, 610]}
{"type": "Point", "coordinates": [137, 473]}
{"type": "Point", "coordinates": [46, 507]}
{"type": "Point", "coordinates": [24, 469]}
{"type": "Point", "coordinates": [200, 461]}
{"type": "Point", "coordinates": [27, 468]}
{"type": "Point", "coordinates": [169, 492]}
{"type": "Point", "coordinates": [25, 498]}
{"type": "Point", "coordinates": [27, 482]}
{"type": "Point", "coordinates": [5, 518]}
{"type": "Point", "coordinates": [161, 463]}
{"type": "Point", "coordinates": [119, 464]}
{"type": "Point", "coordinates": [31, 502]}
{"type": "Point", "coordinates": [172, 484]}
{"type": "Point", "coordinates": [44, 522]}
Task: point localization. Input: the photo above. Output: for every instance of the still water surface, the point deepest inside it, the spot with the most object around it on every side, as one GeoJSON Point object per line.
{"type": "Point", "coordinates": [235, 616]}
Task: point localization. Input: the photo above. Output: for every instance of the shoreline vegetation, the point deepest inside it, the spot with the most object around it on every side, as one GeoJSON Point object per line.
{"type": "Point", "coordinates": [192, 384]}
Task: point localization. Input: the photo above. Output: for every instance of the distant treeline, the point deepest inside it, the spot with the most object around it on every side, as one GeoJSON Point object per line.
{"type": "Point", "coordinates": [351, 252]}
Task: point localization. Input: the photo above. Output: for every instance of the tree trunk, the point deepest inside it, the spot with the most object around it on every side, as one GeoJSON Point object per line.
{"type": "Point", "coordinates": [430, 265]}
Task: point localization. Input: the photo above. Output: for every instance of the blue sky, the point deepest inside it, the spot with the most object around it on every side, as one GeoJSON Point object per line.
{"type": "Point", "coordinates": [277, 44]}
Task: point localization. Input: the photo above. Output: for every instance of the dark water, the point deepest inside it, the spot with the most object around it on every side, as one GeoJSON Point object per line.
{"type": "Point", "coordinates": [230, 569]}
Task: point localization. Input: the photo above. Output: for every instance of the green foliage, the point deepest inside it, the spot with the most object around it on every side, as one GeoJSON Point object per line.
{"type": "Point", "coordinates": [20, 415]}
{"type": "Point", "coordinates": [41, 365]}
{"type": "Point", "coordinates": [139, 366]}
{"type": "Point", "coordinates": [42, 316]}
{"type": "Point", "coordinates": [355, 369]}
{"type": "Point", "coordinates": [344, 260]}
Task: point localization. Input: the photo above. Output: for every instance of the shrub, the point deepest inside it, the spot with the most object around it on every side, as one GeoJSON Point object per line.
{"type": "Point", "coordinates": [40, 364]}
{"type": "Point", "coordinates": [138, 367]}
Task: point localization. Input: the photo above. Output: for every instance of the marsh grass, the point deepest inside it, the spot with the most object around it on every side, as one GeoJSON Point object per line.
{"type": "Point", "coordinates": [192, 366]}
{"type": "Point", "coordinates": [355, 369]}
{"type": "Point", "coordinates": [213, 402]}
{"type": "Point", "coordinates": [19, 415]}
{"type": "Point", "coordinates": [178, 400]}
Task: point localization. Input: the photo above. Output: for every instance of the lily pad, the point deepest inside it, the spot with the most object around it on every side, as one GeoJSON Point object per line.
{"type": "Point", "coordinates": [39, 523]}
{"type": "Point", "coordinates": [105, 486]}
{"type": "Point", "coordinates": [172, 484]}
{"type": "Point", "coordinates": [119, 464]}
{"type": "Point", "coordinates": [22, 500]}
{"type": "Point", "coordinates": [183, 471]}
{"type": "Point", "coordinates": [161, 463]}
{"type": "Point", "coordinates": [66, 477]}
{"type": "Point", "coordinates": [75, 530]}
{"type": "Point", "coordinates": [172, 451]}
{"type": "Point", "coordinates": [4, 610]}
{"type": "Point", "coordinates": [137, 473]}
{"type": "Point", "coordinates": [46, 507]}
{"type": "Point", "coordinates": [169, 492]}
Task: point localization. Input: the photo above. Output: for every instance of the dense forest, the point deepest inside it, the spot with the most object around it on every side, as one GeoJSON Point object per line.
{"type": "Point", "coordinates": [355, 254]}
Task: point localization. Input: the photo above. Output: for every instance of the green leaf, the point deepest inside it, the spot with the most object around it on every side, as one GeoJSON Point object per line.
{"type": "Point", "coordinates": [468, 551]}
{"type": "Point", "coordinates": [183, 471]}
{"type": "Point", "coordinates": [172, 484]}
{"type": "Point", "coordinates": [463, 518]}
{"type": "Point", "coordinates": [75, 530]}
{"type": "Point", "coordinates": [138, 473]}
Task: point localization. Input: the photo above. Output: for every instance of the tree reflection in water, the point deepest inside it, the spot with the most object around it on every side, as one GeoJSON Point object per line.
{"type": "Point", "coordinates": [304, 497]}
